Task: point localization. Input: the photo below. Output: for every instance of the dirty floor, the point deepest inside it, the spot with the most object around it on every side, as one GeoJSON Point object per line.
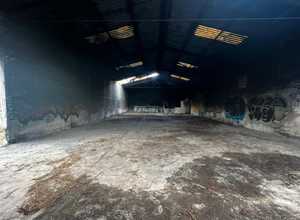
{"type": "Point", "coordinates": [152, 167]}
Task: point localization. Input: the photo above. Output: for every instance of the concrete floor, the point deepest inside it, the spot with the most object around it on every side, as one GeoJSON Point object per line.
{"type": "Point", "coordinates": [152, 167]}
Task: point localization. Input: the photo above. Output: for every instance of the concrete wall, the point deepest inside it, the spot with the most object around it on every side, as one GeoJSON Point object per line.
{"type": "Point", "coordinates": [3, 116]}
{"type": "Point", "coordinates": [44, 100]}
{"type": "Point", "coordinates": [169, 111]}
{"type": "Point", "coordinates": [185, 108]}
{"type": "Point", "coordinates": [155, 97]}
{"type": "Point", "coordinates": [261, 93]}
{"type": "Point", "coordinates": [106, 99]}
{"type": "Point", "coordinates": [275, 111]}
{"type": "Point", "coordinates": [146, 109]}
{"type": "Point", "coordinates": [47, 89]}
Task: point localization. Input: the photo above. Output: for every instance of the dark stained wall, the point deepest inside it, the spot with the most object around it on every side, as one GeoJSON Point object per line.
{"type": "Point", "coordinates": [49, 89]}
{"type": "Point", "coordinates": [271, 100]}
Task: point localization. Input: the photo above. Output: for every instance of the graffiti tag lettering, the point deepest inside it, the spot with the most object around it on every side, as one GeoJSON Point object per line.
{"type": "Point", "coordinates": [235, 107]}
{"type": "Point", "coordinates": [267, 109]}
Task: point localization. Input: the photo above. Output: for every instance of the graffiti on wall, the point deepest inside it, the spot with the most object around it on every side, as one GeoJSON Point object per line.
{"type": "Point", "coordinates": [267, 109]}
{"type": "Point", "coordinates": [235, 108]}
{"type": "Point", "coordinates": [25, 113]}
{"type": "Point", "coordinates": [196, 110]}
{"type": "Point", "coordinates": [49, 118]}
{"type": "Point", "coordinates": [215, 110]}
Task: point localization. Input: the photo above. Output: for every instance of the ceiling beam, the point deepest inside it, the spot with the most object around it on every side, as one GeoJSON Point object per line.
{"type": "Point", "coordinates": [228, 25]}
{"type": "Point", "coordinates": [152, 49]}
{"type": "Point", "coordinates": [190, 33]}
{"type": "Point", "coordinates": [253, 52]}
{"type": "Point", "coordinates": [165, 9]}
{"type": "Point", "coordinates": [136, 31]}
{"type": "Point", "coordinates": [187, 53]}
{"type": "Point", "coordinates": [213, 42]}
{"type": "Point", "coordinates": [263, 29]}
{"type": "Point", "coordinates": [191, 74]}
{"type": "Point", "coordinates": [93, 8]}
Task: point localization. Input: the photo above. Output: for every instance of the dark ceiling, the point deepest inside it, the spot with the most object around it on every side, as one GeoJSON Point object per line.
{"type": "Point", "coordinates": [160, 33]}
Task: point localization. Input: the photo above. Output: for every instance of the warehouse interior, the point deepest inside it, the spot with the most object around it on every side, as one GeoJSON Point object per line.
{"type": "Point", "coordinates": [150, 109]}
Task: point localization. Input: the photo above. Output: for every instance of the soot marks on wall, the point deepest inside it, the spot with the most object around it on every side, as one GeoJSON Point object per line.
{"type": "Point", "coordinates": [235, 108]}
{"type": "Point", "coordinates": [267, 109]}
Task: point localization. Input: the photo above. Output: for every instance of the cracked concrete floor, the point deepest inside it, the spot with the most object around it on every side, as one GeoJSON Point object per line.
{"type": "Point", "coordinates": [152, 167]}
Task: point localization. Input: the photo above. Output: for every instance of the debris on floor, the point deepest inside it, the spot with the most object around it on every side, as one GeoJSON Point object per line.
{"type": "Point", "coordinates": [50, 187]}
{"type": "Point", "coordinates": [158, 168]}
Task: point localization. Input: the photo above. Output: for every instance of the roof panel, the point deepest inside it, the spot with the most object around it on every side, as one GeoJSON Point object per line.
{"type": "Point", "coordinates": [147, 9]}
{"type": "Point", "coordinates": [199, 42]}
{"type": "Point", "coordinates": [105, 6]}
{"type": "Point", "coordinates": [180, 26]}
{"type": "Point", "coordinates": [260, 32]}
{"type": "Point", "coordinates": [176, 36]}
{"type": "Point", "coordinates": [184, 9]}
{"type": "Point", "coordinates": [174, 44]}
{"type": "Point", "coordinates": [193, 49]}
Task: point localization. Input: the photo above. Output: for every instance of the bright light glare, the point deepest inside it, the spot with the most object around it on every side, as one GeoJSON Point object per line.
{"type": "Point", "coordinates": [125, 81]}
{"type": "Point", "coordinates": [153, 74]}
{"type": "Point", "coordinates": [134, 79]}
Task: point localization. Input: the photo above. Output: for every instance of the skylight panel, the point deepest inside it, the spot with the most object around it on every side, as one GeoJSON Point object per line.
{"type": "Point", "coordinates": [119, 34]}
{"type": "Point", "coordinates": [175, 76]}
{"type": "Point", "coordinates": [180, 77]}
{"type": "Point", "coordinates": [122, 32]}
{"type": "Point", "coordinates": [132, 65]}
{"type": "Point", "coordinates": [219, 35]}
{"type": "Point", "coordinates": [231, 38]}
{"type": "Point", "coordinates": [207, 32]}
{"type": "Point", "coordinates": [186, 65]}
{"type": "Point", "coordinates": [184, 78]}
{"type": "Point", "coordinates": [98, 38]}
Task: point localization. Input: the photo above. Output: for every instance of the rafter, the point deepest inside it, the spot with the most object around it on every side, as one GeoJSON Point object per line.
{"type": "Point", "coordinates": [136, 31]}
{"type": "Point", "coordinates": [165, 9]}
{"type": "Point", "coordinates": [190, 33]}
{"type": "Point", "coordinates": [91, 4]}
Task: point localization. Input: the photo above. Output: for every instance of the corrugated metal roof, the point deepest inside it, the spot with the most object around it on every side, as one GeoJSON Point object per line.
{"type": "Point", "coordinates": [143, 40]}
